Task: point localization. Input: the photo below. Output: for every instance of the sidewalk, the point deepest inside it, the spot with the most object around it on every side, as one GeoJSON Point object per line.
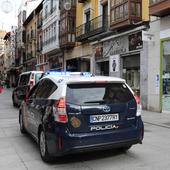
{"type": "Point", "coordinates": [155, 118]}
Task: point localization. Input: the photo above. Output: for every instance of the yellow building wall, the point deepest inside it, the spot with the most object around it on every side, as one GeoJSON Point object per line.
{"type": "Point", "coordinates": [28, 29]}
{"type": "Point", "coordinates": [80, 11]}
{"type": "Point", "coordinates": [145, 10]}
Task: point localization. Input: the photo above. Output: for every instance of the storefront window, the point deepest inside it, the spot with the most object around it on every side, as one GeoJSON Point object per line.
{"type": "Point", "coordinates": [166, 76]}
{"type": "Point", "coordinates": [131, 71]}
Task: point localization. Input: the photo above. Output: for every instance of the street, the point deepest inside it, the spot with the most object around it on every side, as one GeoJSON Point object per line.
{"type": "Point", "coordinates": [20, 152]}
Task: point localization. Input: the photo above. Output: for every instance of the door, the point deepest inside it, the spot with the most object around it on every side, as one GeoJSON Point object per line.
{"type": "Point", "coordinates": [87, 24]}
{"type": "Point", "coordinates": [28, 113]}
{"type": "Point", "coordinates": [38, 108]}
{"type": "Point", "coordinates": [166, 77]}
{"type": "Point", "coordinates": [105, 16]}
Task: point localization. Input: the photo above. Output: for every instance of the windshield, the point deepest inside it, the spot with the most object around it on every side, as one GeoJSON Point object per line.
{"type": "Point", "coordinates": [83, 94]}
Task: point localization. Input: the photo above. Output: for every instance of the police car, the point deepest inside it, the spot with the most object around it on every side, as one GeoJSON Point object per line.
{"type": "Point", "coordinates": [74, 112]}
{"type": "Point", "coordinates": [25, 82]}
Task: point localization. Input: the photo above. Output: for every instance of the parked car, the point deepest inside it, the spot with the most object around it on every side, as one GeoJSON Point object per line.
{"type": "Point", "coordinates": [74, 113]}
{"type": "Point", "coordinates": [25, 82]}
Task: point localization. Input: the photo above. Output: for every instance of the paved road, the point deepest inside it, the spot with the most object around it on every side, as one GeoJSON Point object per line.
{"type": "Point", "coordinates": [20, 152]}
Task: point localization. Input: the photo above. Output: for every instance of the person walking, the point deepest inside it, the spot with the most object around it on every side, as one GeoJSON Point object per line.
{"type": "Point", "coordinates": [1, 86]}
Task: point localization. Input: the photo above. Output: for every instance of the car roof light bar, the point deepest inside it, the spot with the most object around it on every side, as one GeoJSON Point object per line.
{"type": "Point", "coordinates": [66, 73]}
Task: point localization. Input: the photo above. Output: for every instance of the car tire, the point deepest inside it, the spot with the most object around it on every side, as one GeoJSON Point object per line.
{"type": "Point", "coordinates": [21, 123]}
{"type": "Point", "coordinates": [43, 147]}
{"type": "Point", "coordinates": [14, 104]}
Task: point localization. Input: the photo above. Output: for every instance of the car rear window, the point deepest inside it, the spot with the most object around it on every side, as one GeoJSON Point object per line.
{"type": "Point", "coordinates": [85, 94]}
{"type": "Point", "coordinates": [24, 79]}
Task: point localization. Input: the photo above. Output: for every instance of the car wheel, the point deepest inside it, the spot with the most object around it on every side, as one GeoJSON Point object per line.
{"type": "Point", "coordinates": [22, 128]}
{"type": "Point", "coordinates": [43, 147]}
{"type": "Point", "coordinates": [14, 103]}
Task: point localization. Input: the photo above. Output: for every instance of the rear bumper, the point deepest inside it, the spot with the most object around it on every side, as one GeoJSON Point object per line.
{"type": "Point", "coordinates": [62, 143]}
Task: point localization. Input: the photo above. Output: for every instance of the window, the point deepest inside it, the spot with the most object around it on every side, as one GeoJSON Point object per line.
{"type": "Point", "coordinates": [84, 94]}
{"type": "Point", "coordinates": [119, 10]}
{"type": "Point", "coordinates": [135, 9]}
{"type": "Point", "coordinates": [45, 89]}
{"type": "Point", "coordinates": [24, 79]}
{"type": "Point", "coordinates": [46, 11]}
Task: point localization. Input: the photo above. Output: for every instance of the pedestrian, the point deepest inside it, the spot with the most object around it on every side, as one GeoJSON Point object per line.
{"type": "Point", "coordinates": [1, 86]}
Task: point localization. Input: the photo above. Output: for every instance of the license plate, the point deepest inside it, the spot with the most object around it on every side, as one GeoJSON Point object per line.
{"type": "Point", "coordinates": [104, 118]}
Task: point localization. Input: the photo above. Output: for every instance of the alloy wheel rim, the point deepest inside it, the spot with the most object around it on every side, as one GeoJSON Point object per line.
{"type": "Point", "coordinates": [42, 143]}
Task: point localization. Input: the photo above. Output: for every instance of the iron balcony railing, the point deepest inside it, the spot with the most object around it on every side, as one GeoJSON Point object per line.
{"type": "Point", "coordinates": [92, 27]}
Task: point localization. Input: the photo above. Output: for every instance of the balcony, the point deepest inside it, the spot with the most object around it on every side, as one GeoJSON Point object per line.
{"type": "Point", "coordinates": [67, 27]}
{"type": "Point", "coordinates": [67, 40]}
{"type": "Point", "coordinates": [125, 13]}
{"type": "Point", "coordinates": [93, 27]}
{"type": "Point", "coordinates": [159, 8]}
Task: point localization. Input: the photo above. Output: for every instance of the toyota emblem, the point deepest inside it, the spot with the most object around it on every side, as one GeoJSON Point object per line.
{"type": "Point", "coordinates": [106, 109]}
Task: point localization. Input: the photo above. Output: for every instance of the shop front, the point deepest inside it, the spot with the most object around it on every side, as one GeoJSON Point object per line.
{"type": "Point", "coordinates": [165, 71]}
{"type": "Point", "coordinates": [79, 59]}
{"type": "Point", "coordinates": [56, 62]}
{"type": "Point", "coordinates": [78, 64]}
{"type": "Point", "coordinates": [120, 57]}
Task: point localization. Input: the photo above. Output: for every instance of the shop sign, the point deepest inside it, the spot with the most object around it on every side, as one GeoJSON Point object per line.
{"type": "Point", "coordinates": [115, 46]}
{"type": "Point", "coordinates": [147, 36]}
{"type": "Point", "coordinates": [135, 41]}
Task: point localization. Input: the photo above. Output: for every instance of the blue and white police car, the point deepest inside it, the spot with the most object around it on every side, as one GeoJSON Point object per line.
{"type": "Point", "coordinates": [74, 112]}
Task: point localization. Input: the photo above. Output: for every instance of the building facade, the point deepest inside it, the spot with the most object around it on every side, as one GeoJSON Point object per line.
{"type": "Point", "coordinates": [20, 40]}
{"type": "Point", "coordinates": [119, 50]}
{"type": "Point", "coordinates": [41, 64]}
{"type": "Point", "coordinates": [8, 60]}
{"type": "Point", "coordinates": [77, 50]}
{"type": "Point", "coordinates": [159, 53]}
{"type": "Point", "coordinates": [30, 26]}
{"type": "Point", "coordinates": [52, 54]}
{"type": "Point", "coordinates": [2, 68]}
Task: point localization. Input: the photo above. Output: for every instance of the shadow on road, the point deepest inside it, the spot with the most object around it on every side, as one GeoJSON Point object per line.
{"type": "Point", "coordinates": [87, 156]}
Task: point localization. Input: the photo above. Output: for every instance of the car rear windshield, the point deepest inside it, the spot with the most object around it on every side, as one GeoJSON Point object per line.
{"type": "Point", "coordinates": [85, 94]}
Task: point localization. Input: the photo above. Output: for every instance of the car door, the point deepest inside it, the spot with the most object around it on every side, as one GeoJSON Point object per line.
{"type": "Point", "coordinates": [45, 89]}
{"type": "Point", "coordinates": [30, 104]}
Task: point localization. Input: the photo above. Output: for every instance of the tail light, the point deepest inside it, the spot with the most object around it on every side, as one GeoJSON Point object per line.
{"type": "Point", "coordinates": [139, 108]}
{"type": "Point", "coordinates": [60, 111]}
